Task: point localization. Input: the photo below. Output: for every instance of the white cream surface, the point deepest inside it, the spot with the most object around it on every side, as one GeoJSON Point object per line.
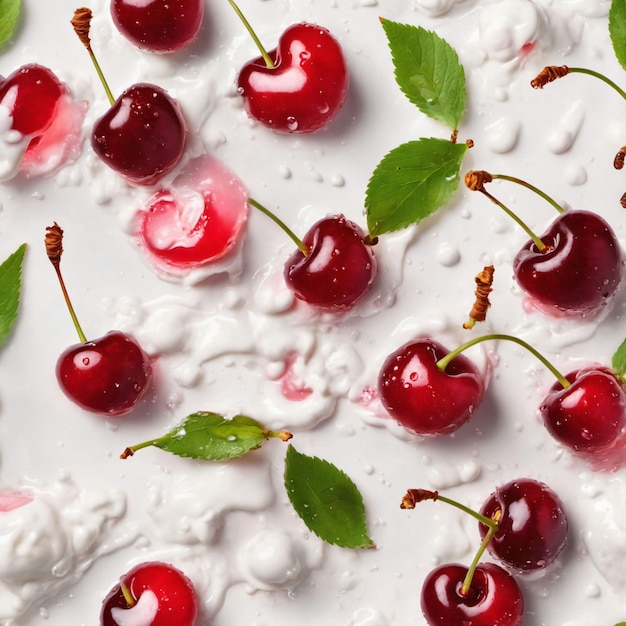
{"type": "Point", "coordinates": [236, 341]}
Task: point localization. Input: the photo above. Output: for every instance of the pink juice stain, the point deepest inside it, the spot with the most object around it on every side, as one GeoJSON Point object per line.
{"type": "Point", "coordinates": [11, 499]}
{"type": "Point", "coordinates": [292, 386]}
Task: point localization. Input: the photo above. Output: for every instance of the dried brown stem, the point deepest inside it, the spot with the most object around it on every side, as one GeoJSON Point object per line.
{"type": "Point", "coordinates": [81, 23]}
{"type": "Point", "coordinates": [484, 282]}
{"type": "Point", "coordinates": [54, 243]}
{"type": "Point", "coordinates": [622, 201]}
{"type": "Point", "coordinates": [475, 180]}
{"type": "Point", "coordinates": [618, 163]}
{"type": "Point", "coordinates": [549, 74]}
{"type": "Point", "coordinates": [413, 496]}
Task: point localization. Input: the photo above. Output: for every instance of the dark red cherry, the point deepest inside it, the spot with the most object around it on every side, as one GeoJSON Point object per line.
{"type": "Point", "coordinates": [107, 375]}
{"type": "Point", "coordinates": [533, 526]}
{"type": "Point", "coordinates": [580, 269]}
{"type": "Point", "coordinates": [589, 417]}
{"type": "Point", "coordinates": [421, 397]}
{"type": "Point", "coordinates": [143, 135]}
{"type": "Point", "coordinates": [307, 86]}
{"type": "Point", "coordinates": [162, 596]}
{"type": "Point", "coordinates": [494, 598]}
{"type": "Point", "coordinates": [339, 269]}
{"type": "Point", "coordinates": [158, 25]}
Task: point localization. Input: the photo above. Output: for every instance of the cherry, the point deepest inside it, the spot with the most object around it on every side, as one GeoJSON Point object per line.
{"type": "Point", "coordinates": [157, 593]}
{"type": "Point", "coordinates": [298, 87]}
{"type": "Point", "coordinates": [574, 268]}
{"type": "Point", "coordinates": [159, 25]}
{"type": "Point", "coordinates": [532, 526]}
{"type": "Point", "coordinates": [108, 375]}
{"type": "Point", "coordinates": [589, 415]}
{"type": "Point", "coordinates": [424, 397]}
{"type": "Point", "coordinates": [493, 597]}
{"type": "Point", "coordinates": [334, 265]}
{"type": "Point", "coordinates": [143, 135]}
{"type": "Point", "coordinates": [198, 220]}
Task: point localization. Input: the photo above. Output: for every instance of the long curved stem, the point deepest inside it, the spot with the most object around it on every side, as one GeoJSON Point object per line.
{"type": "Point", "coordinates": [602, 77]}
{"type": "Point", "coordinates": [301, 245]}
{"type": "Point", "coordinates": [467, 582]}
{"type": "Point", "coordinates": [444, 362]}
{"type": "Point", "coordinates": [257, 41]}
{"type": "Point", "coordinates": [523, 183]}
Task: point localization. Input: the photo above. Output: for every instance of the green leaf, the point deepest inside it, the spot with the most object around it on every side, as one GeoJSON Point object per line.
{"type": "Point", "coordinates": [621, 624]}
{"type": "Point", "coordinates": [428, 71]}
{"type": "Point", "coordinates": [10, 287]}
{"type": "Point", "coordinates": [619, 361]}
{"type": "Point", "coordinates": [211, 437]}
{"type": "Point", "coordinates": [411, 182]}
{"type": "Point", "coordinates": [328, 502]}
{"type": "Point", "coordinates": [9, 12]}
{"type": "Point", "coordinates": [617, 29]}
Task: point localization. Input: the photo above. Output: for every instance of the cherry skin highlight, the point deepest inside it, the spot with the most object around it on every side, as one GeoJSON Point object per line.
{"type": "Point", "coordinates": [108, 375]}
{"type": "Point", "coordinates": [339, 269]}
{"type": "Point", "coordinates": [579, 271]}
{"type": "Point", "coordinates": [532, 529]}
{"type": "Point", "coordinates": [494, 598]}
{"type": "Point", "coordinates": [161, 593]}
{"type": "Point", "coordinates": [143, 135]}
{"type": "Point", "coordinates": [306, 88]}
{"type": "Point", "coordinates": [422, 398]}
{"type": "Point", "coordinates": [589, 417]}
{"type": "Point", "coordinates": [160, 25]}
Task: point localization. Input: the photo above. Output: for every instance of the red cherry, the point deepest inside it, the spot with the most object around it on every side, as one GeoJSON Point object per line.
{"type": "Point", "coordinates": [494, 598]}
{"type": "Point", "coordinates": [198, 220]}
{"type": "Point", "coordinates": [107, 375]}
{"type": "Point", "coordinates": [159, 25]}
{"type": "Point", "coordinates": [589, 416]}
{"type": "Point", "coordinates": [580, 269]}
{"type": "Point", "coordinates": [307, 86]}
{"type": "Point", "coordinates": [161, 594]}
{"type": "Point", "coordinates": [338, 270]}
{"type": "Point", "coordinates": [421, 397]}
{"type": "Point", "coordinates": [532, 528]}
{"type": "Point", "coordinates": [143, 135]}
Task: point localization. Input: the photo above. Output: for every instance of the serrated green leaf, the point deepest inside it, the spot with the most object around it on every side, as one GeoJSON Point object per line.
{"type": "Point", "coordinates": [411, 182]}
{"type": "Point", "coordinates": [10, 288]}
{"type": "Point", "coordinates": [617, 29]}
{"type": "Point", "coordinates": [211, 437]}
{"type": "Point", "coordinates": [428, 71]}
{"type": "Point", "coordinates": [326, 500]}
{"type": "Point", "coordinates": [9, 13]}
{"type": "Point", "coordinates": [619, 361]}
{"type": "Point", "coordinates": [621, 624]}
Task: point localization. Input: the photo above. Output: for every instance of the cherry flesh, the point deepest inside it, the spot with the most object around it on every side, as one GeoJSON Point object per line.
{"type": "Point", "coordinates": [198, 220]}
{"type": "Point", "coordinates": [589, 416]}
{"type": "Point", "coordinates": [421, 397]}
{"type": "Point", "coordinates": [160, 25]}
{"type": "Point", "coordinates": [579, 271]}
{"type": "Point", "coordinates": [339, 269]}
{"type": "Point", "coordinates": [108, 375]}
{"type": "Point", "coordinates": [143, 135]}
{"type": "Point", "coordinates": [532, 528]}
{"type": "Point", "coordinates": [494, 598]}
{"type": "Point", "coordinates": [162, 595]}
{"type": "Point", "coordinates": [306, 88]}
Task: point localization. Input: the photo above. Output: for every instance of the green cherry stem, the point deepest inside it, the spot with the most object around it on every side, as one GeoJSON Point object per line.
{"type": "Point", "coordinates": [54, 250]}
{"type": "Point", "coordinates": [266, 57]}
{"type": "Point", "coordinates": [82, 25]}
{"type": "Point", "coordinates": [444, 362]}
{"type": "Point", "coordinates": [301, 245]}
{"type": "Point", "coordinates": [552, 72]}
{"type": "Point", "coordinates": [523, 183]}
{"type": "Point", "coordinates": [128, 596]}
{"type": "Point", "coordinates": [467, 582]}
{"type": "Point", "coordinates": [602, 77]}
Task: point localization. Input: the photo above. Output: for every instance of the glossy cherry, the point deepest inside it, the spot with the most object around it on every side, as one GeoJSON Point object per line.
{"type": "Point", "coordinates": [157, 593]}
{"type": "Point", "coordinates": [494, 598]}
{"type": "Point", "coordinates": [339, 268]}
{"type": "Point", "coordinates": [532, 527]}
{"type": "Point", "coordinates": [159, 25]}
{"type": "Point", "coordinates": [108, 375]}
{"type": "Point", "coordinates": [307, 86]}
{"type": "Point", "coordinates": [589, 416]}
{"type": "Point", "coordinates": [422, 397]}
{"type": "Point", "coordinates": [580, 268]}
{"type": "Point", "coordinates": [143, 135]}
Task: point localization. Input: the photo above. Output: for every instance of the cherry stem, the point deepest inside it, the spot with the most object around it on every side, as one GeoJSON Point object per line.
{"type": "Point", "coordinates": [602, 77]}
{"type": "Point", "coordinates": [266, 57]}
{"type": "Point", "coordinates": [523, 183]}
{"type": "Point", "coordinates": [301, 245]}
{"type": "Point", "coordinates": [493, 529]}
{"type": "Point", "coordinates": [128, 596]}
{"type": "Point", "coordinates": [445, 361]}
{"type": "Point", "coordinates": [82, 25]}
